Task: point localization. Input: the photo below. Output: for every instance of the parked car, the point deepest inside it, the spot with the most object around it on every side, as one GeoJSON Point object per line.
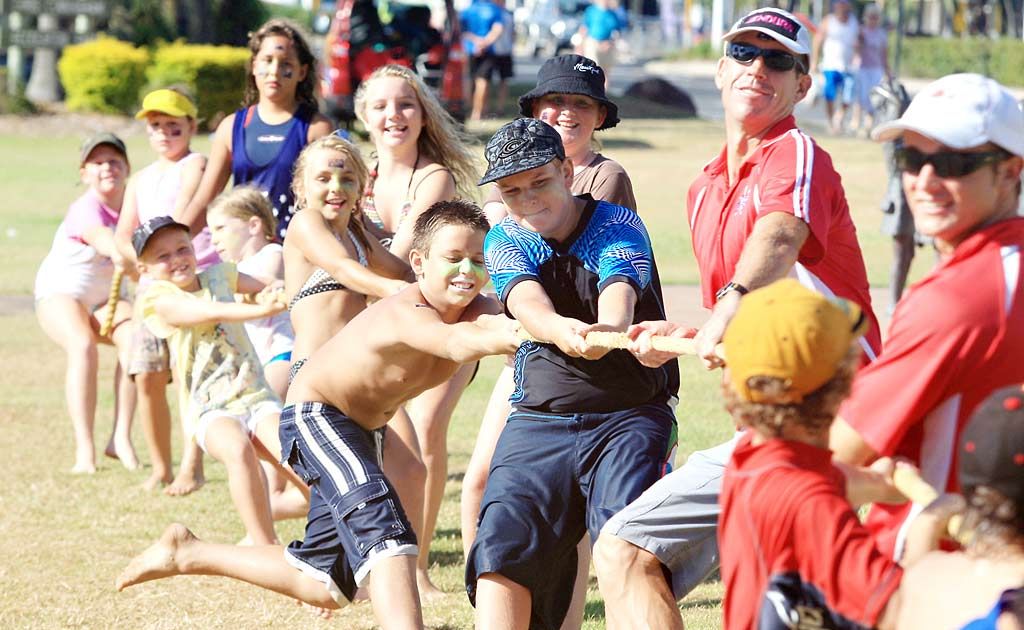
{"type": "Point", "coordinates": [550, 25]}
{"type": "Point", "coordinates": [358, 43]}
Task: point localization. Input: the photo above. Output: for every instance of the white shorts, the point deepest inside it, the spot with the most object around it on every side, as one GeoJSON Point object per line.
{"type": "Point", "coordinates": [87, 282]}
{"type": "Point", "coordinates": [249, 420]}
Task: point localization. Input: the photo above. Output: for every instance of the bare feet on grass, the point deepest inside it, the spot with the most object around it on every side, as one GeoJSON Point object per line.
{"type": "Point", "coordinates": [124, 451]}
{"type": "Point", "coordinates": [427, 589]}
{"type": "Point", "coordinates": [156, 480]}
{"type": "Point", "coordinates": [160, 560]}
{"type": "Point", "coordinates": [185, 483]}
{"type": "Point", "coordinates": [83, 468]}
{"type": "Point", "coordinates": [85, 462]}
{"type": "Point", "coordinates": [316, 611]}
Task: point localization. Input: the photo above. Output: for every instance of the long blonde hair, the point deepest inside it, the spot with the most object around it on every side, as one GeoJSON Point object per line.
{"type": "Point", "coordinates": [440, 139]}
{"type": "Point", "coordinates": [353, 160]}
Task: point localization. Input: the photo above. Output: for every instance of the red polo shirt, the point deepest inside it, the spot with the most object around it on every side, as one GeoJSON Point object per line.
{"type": "Point", "coordinates": [956, 336]}
{"type": "Point", "coordinates": [787, 173]}
{"type": "Point", "coordinates": [793, 552]}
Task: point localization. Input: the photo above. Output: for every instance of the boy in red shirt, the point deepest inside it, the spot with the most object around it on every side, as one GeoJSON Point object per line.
{"type": "Point", "coordinates": [793, 550]}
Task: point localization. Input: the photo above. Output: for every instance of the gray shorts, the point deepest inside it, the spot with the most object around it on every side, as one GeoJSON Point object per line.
{"type": "Point", "coordinates": [149, 352]}
{"type": "Point", "coordinates": [676, 519]}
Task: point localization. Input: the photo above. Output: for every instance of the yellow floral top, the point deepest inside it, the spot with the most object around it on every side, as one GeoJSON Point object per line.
{"type": "Point", "coordinates": [215, 363]}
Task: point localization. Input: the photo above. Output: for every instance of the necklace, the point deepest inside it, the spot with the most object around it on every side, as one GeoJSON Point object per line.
{"type": "Point", "coordinates": [373, 177]}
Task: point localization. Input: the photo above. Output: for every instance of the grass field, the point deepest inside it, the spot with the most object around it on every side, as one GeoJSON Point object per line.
{"type": "Point", "coordinates": [63, 539]}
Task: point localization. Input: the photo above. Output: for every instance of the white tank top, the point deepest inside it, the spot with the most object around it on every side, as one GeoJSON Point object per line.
{"type": "Point", "coordinates": [839, 45]}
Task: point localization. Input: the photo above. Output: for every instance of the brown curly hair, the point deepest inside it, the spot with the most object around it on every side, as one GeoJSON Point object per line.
{"type": "Point", "coordinates": [815, 413]}
{"type": "Point", "coordinates": [994, 520]}
{"type": "Point", "coordinates": [305, 92]}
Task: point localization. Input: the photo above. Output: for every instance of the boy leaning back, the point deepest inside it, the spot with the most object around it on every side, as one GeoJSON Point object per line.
{"type": "Point", "coordinates": [590, 429]}
{"type": "Point", "coordinates": [223, 396]}
{"type": "Point", "coordinates": [395, 349]}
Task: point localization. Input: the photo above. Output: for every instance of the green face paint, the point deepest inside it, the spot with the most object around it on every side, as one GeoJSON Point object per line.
{"type": "Point", "coordinates": [466, 267]}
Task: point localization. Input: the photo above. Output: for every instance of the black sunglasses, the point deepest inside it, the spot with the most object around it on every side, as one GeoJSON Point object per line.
{"type": "Point", "coordinates": [777, 60]}
{"type": "Point", "coordinates": [946, 163]}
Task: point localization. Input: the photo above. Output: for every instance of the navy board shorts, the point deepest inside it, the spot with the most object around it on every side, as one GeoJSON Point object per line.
{"type": "Point", "coordinates": [355, 519]}
{"type": "Point", "coordinates": [554, 477]}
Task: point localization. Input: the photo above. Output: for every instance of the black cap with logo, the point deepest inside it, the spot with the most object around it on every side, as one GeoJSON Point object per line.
{"type": "Point", "coordinates": [142, 234]}
{"type": "Point", "coordinates": [521, 145]}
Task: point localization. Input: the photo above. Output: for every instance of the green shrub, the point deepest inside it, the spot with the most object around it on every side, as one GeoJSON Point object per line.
{"type": "Point", "coordinates": [933, 57]}
{"type": "Point", "coordinates": [103, 75]}
{"type": "Point", "coordinates": [15, 103]}
{"type": "Point", "coordinates": [214, 74]}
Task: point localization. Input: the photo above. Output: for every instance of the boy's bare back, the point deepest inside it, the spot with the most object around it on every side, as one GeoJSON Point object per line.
{"type": "Point", "coordinates": [393, 351]}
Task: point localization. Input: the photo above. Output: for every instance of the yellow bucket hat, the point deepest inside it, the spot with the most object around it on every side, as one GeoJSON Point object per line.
{"type": "Point", "coordinates": [167, 102]}
{"type": "Point", "coordinates": [787, 331]}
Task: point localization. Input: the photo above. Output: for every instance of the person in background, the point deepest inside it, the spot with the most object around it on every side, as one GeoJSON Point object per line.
{"type": "Point", "coordinates": [872, 63]}
{"type": "Point", "coordinates": [482, 25]}
{"type": "Point", "coordinates": [835, 43]}
{"type": "Point", "coordinates": [601, 28]}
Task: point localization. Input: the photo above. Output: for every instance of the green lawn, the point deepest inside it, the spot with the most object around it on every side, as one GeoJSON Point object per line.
{"type": "Point", "coordinates": [63, 539]}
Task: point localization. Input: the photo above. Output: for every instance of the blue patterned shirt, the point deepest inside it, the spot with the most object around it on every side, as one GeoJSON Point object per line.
{"type": "Point", "coordinates": [610, 244]}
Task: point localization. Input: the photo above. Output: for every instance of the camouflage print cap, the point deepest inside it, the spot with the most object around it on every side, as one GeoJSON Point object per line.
{"type": "Point", "coordinates": [521, 145]}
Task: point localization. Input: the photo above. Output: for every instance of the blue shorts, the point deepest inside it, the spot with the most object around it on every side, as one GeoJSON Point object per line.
{"type": "Point", "coordinates": [838, 83]}
{"type": "Point", "coordinates": [553, 478]}
{"type": "Point", "coordinates": [355, 518]}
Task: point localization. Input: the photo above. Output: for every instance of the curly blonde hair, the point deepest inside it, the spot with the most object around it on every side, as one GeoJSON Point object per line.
{"type": "Point", "coordinates": [815, 413]}
{"type": "Point", "coordinates": [353, 160]}
{"type": "Point", "coordinates": [440, 139]}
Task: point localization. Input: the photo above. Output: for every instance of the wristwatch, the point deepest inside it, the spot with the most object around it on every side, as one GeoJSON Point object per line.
{"type": "Point", "coordinates": [732, 286]}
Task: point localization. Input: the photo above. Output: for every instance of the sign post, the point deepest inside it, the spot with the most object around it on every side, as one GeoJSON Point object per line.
{"type": "Point", "coordinates": [46, 39]}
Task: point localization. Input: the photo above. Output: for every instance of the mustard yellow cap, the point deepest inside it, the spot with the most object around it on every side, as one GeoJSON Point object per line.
{"type": "Point", "coordinates": [167, 102]}
{"type": "Point", "coordinates": [787, 331]}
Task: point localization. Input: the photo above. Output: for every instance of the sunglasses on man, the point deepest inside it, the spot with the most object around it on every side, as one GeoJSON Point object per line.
{"type": "Point", "coordinates": [777, 60]}
{"type": "Point", "coordinates": [946, 163]}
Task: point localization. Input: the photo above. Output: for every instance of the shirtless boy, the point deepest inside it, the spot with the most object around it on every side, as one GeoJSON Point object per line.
{"type": "Point", "coordinates": [392, 351]}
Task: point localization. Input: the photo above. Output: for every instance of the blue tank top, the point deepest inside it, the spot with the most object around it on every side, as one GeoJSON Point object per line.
{"type": "Point", "coordinates": [274, 176]}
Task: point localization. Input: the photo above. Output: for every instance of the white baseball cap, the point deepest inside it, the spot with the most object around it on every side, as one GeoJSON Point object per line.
{"type": "Point", "coordinates": [782, 26]}
{"type": "Point", "coordinates": [962, 111]}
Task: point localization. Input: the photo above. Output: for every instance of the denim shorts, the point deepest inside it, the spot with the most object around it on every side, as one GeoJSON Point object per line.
{"type": "Point", "coordinates": [355, 519]}
{"type": "Point", "coordinates": [554, 477]}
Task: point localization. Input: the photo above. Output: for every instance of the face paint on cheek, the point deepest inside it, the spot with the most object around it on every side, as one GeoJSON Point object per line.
{"type": "Point", "coordinates": [467, 267]}
{"type": "Point", "coordinates": [287, 73]}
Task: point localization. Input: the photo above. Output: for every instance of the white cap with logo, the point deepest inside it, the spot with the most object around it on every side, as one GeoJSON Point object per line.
{"type": "Point", "coordinates": [782, 26]}
{"type": "Point", "coordinates": [962, 111]}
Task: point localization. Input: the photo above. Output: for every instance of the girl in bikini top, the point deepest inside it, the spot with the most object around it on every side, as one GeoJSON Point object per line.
{"type": "Point", "coordinates": [414, 138]}
{"type": "Point", "coordinates": [379, 228]}
{"type": "Point", "coordinates": [320, 281]}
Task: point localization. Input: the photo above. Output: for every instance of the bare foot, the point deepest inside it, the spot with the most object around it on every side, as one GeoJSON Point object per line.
{"type": "Point", "coordinates": [159, 560]}
{"type": "Point", "coordinates": [185, 484]}
{"type": "Point", "coordinates": [124, 452]}
{"type": "Point", "coordinates": [316, 611]}
{"type": "Point", "coordinates": [83, 468]}
{"type": "Point", "coordinates": [427, 589]}
{"type": "Point", "coordinates": [156, 480]}
{"type": "Point", "coordinates": [85, 460]}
